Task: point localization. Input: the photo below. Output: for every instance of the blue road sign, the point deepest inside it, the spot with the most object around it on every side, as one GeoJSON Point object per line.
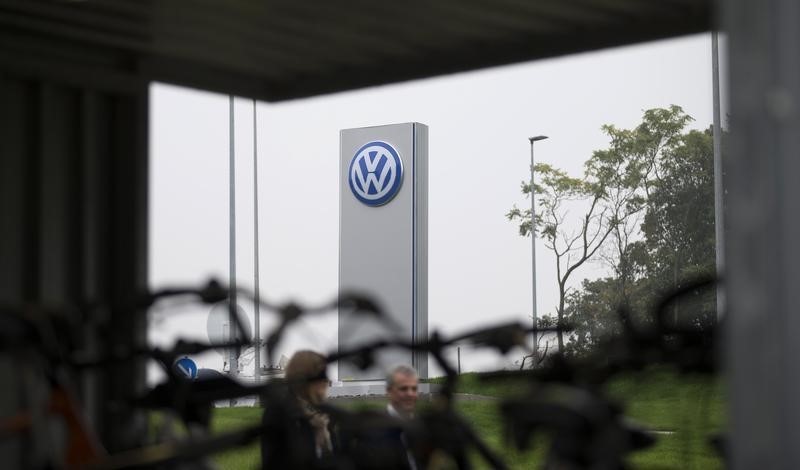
{"type": "Point", "coordinates": [186, 368]}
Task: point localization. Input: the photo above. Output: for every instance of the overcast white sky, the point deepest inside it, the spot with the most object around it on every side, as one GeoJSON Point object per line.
{"type": "Point", "coordinates": [479, 267]}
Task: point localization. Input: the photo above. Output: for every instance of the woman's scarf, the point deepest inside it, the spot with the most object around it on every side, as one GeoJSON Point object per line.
{"type": "Point", "coordinates": [319, 424]}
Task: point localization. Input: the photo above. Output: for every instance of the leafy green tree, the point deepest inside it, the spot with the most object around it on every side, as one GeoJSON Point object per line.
{"type": "Point", "coordinates": [591, 312]}
{"type": "Point", "coordinates": [636, 161]}
{"type": "Point", "coordinates": [650, 218]}
{"type": "Point", "coordinates": [679, 224]}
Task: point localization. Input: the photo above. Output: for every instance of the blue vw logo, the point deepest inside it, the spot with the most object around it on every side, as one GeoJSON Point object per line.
{"type": "Point", "coordinates": [376, 173]}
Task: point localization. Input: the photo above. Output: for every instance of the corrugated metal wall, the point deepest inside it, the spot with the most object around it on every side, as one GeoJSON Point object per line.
{"type": "Point", "coordinates": [73, 187]}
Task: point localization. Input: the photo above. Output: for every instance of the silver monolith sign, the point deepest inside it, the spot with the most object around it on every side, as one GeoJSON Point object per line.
{"type": "Point", "coordinates": [383, 239]}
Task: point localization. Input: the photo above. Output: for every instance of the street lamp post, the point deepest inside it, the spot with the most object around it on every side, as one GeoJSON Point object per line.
{"type": "Point", "coordinates": [533, 253]}
{"type": "Point", "coordinates": [719, 192]}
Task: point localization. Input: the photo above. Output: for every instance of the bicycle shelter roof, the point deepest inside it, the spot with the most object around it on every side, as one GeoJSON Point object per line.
{"type": "Point", "coordinates": [277, 50]}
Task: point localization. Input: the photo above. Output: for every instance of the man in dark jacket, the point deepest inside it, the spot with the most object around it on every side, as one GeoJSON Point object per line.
{"type": "Point", "coordinates": [380, 439]}
{"type": "Point", "coordinates": [402, 383]}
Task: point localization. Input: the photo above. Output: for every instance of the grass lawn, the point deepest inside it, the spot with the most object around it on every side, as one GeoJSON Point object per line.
{"type": "Point", "coordinates": [690, 408]}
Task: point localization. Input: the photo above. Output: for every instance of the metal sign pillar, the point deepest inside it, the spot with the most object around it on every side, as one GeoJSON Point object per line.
{"type": "Point", "coordinates": [383, 238]}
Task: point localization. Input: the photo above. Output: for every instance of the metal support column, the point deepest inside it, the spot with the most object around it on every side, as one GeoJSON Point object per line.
{"type": "Point", "coordinates": [763, 237]}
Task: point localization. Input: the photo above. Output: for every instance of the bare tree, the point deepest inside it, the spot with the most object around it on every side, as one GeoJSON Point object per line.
{"type": "Point", "coordinates": [537, 356]}
{"type": "Point", "coordinates": [576, 240]}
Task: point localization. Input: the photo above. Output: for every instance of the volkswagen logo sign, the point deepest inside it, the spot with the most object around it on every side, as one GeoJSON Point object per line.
{"type": "Point", "coordinates": [375, 173]}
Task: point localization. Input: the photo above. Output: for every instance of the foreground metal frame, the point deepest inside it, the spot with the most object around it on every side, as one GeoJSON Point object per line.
{"type": "Point", "coordinates": [763, 254]}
